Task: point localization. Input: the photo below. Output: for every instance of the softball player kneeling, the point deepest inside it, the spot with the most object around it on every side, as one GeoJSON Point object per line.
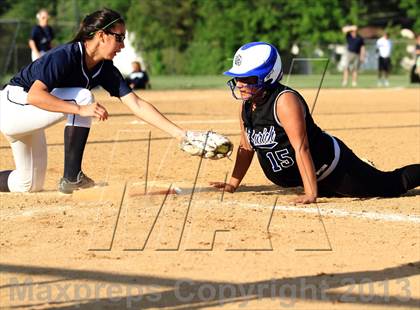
{"type": "Point", "coordinates": [57, 86]}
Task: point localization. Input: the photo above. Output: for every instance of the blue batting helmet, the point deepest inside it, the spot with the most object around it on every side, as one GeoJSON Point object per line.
{"type": "Point", "coordinates": [258, 59]}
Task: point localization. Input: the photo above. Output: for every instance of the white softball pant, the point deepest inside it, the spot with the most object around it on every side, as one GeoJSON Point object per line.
{"type": "Point", "coordinates": [35, 57]}
{"type": "Point", "coordinates": [23, 125]}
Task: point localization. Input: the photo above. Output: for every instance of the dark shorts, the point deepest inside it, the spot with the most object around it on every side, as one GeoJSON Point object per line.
{"type": "Point", "coordinates": [384, 64]}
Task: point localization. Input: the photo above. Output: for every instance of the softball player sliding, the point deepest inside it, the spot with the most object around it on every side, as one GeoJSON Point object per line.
{"type": "Point", "coordinates": [57, 86]}
{"type": "Point", "coordinates": [291, 148]}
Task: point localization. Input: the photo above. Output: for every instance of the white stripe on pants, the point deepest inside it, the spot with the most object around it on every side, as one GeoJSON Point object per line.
{"type": "Point", "coordinates": [23, 125]}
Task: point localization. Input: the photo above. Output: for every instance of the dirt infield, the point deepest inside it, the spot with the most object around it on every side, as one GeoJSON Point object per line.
{"type": "Point", "coordinates": [114, 247]}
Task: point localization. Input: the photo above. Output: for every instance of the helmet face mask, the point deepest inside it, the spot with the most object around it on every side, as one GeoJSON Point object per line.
{"type": "Point", "coordinates": [245, 92]}
{"type": "Point", "coordinates": [256, 59]}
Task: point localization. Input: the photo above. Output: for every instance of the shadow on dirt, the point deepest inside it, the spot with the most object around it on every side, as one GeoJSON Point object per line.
{"type": "Point", "coordinates": [198, 294]}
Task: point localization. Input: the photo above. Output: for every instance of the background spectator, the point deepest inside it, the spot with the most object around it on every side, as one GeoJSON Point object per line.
{"type": "Point", "coordinates": [355, 54]}
{"type": "Point", "coordinates": [41, 35]}
{"type": "Point", "coordinates": [384, 49]}
{"type": "Point", "coordinates": [138, 79]}
{"type": "Point", "coordinates": [415, 71]}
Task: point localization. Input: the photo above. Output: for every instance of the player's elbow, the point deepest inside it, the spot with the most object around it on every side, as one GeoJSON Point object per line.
{"type": "Point", "coordinates": [302, 148]}
{"type": "Point", "coordinates": [36, 91]}
{"type": "Point", "coordinates": [33, 95]}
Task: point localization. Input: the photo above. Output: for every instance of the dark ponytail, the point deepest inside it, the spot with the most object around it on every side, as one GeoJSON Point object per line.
{"type": "Point", "coordinates": [99, 20]}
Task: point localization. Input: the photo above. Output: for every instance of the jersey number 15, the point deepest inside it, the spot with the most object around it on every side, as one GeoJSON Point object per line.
{"type": "Point", "coordinates": [280, 160]}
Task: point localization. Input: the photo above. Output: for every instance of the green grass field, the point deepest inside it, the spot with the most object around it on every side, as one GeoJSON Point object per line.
{"type": "Point", "coordinates": [297, 81]}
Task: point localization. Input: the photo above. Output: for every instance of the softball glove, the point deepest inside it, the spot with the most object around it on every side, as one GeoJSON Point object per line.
{"type": "Point", "coordinates": [206, 144]}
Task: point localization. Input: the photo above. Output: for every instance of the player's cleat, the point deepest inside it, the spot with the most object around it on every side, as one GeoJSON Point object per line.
{"type": "Point", "coordinates": [83, 181]}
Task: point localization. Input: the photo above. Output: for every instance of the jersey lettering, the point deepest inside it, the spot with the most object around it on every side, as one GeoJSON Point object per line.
{"type": "Point", "coordinates": [265, 139]}
{"type": "Point", "coordinates": [280, 160]}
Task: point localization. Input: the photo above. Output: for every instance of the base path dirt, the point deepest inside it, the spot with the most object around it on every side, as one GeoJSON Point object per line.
{"type": "Point", "coordinates": [177, 243]}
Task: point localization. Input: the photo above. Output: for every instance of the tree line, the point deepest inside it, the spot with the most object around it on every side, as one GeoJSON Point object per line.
{"type": "Point", "coordinates": [200, 36]}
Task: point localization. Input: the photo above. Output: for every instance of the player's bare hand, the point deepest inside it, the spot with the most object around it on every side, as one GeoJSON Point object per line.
{"type": "Point", "coordinates": [224, 186]}
{"type": "Point", "coordinates": [95, 110]}
{"type": "Point", "coordinates": [305, 199]}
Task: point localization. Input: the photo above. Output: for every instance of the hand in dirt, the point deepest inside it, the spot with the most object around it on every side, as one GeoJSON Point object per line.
{"type": "Point", "coordinates": [226, 186]}
{"type": "Point", "coordinates": [305, 199]}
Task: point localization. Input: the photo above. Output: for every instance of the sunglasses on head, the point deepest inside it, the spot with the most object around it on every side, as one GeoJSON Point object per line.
{"type": "Point", "coordinates": [118, 36]}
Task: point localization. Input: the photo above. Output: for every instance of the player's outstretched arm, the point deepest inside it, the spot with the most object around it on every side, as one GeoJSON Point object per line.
{"type": "Point", "coordinates": [242, 163]}
{"type": "Point", "coordinates": [205, 144]}
{"type": "Point", "coordinates": [147, 112]}
{"type": "Point", "coordinates": [291, 115]}
{"type": "Point", "coordinates": [243, 160]}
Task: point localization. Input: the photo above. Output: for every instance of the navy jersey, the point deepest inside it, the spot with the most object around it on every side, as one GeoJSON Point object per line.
{"type": "Point", "coordinates": [64, 66]}
{"type": "Point", "coordinates": [354, 44]}
{"type": "Point", "coordinates": [42, 37]}
{"type": "Point", "coordinates": [275, 153]}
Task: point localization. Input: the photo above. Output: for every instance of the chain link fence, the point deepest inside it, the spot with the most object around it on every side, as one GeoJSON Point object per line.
{"type": "Point", "coordinates": [14, 48]}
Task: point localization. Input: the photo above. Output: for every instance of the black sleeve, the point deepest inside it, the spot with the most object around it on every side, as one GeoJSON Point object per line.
{"type": "Point", "coordinates": [53, 68]}
{"type": "Point", "coordinates": [113, 81]}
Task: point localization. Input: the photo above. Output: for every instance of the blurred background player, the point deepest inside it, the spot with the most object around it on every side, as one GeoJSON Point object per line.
{"type": "Point", "coordinates": [292, 150]}
{"type": "Point", "coordinates": [384, 49]}
{"type": "Point", "coordinates": [41, 36]}
{"type": "Point", "coordinates": [415, 70]}
{"type": "Point", "coordinates": [355, 54]}
{"type": "Point", "coordinates": [138, 79]}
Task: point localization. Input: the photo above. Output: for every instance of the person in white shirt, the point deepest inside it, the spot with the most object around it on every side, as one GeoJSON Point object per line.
{"type": "Point", "coordinates": [384, 49]}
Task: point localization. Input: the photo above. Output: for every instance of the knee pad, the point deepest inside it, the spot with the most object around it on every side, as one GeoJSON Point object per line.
{"type": "Point", "coordinates": [84, 97]}
{"type": "Point", "coordinates": [79, 95]}
{"type": "Point", "coordinates": [25, 183]}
